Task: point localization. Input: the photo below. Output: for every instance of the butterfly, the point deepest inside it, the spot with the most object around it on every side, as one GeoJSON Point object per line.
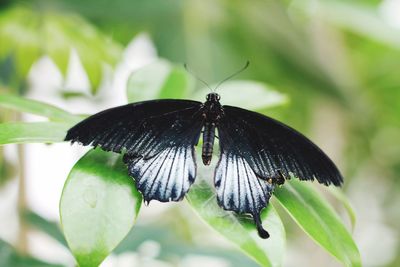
{"type": "Point", "coordinates": [158, 140]}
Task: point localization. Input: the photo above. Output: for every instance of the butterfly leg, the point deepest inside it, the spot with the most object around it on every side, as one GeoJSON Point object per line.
{"type": "Point", "coordinates": [279, 180]}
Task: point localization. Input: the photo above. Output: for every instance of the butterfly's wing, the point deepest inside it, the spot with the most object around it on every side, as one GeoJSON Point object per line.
{"type": "Point", "coordinates": [142, 128]}
{"type": "Point", "coordinates": [158, 138]}
{"type": "Point", "coordinates": [272, 148]}
{"type": "Point", "coordinates": [255, 148]}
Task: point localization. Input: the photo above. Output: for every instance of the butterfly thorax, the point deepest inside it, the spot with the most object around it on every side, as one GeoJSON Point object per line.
{"type": "Point", "coordinates": [212, 112]}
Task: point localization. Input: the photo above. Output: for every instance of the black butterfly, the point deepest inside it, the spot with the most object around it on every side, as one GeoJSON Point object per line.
{"type": "Point", "coordinates": [158, 138]}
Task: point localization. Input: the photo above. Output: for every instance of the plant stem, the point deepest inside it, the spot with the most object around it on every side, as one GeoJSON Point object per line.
{"type": "Point", "coordinates": [22, 242]}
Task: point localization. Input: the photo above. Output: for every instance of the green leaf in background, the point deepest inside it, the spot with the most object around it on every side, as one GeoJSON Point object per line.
{"type": "Point", "coordinates": [98, 206]}
{"type": "Point", "coordinates": [7, 70]}
{"type": "Point", "coordinates": [240, 230]}
{"type": "Point", "coordinates": [318, 219]}
{"type": "Point", "coordinates": [341, 197]}
{"type": "Point", "coordinates": [172, 244]}
{"type": "Point", "coordinates": [358, 18]}
{"type": "Point", "coordinates": [50, 228]}
{"type": "Point", "coordinates": [175, 246]}
{"type": "Point", "coordinates": [7, 168]}
{"type": "Point", "coordinates": [9, 257]}
{"type": "Point", "coordinates": [160, 79]}
{"type": "Point", "coordinates": [35, 107]}
{"type": "Point", "coordinates": [245, 94]}
{"type": "Point", "coordinates": [28, 34]}
{"type": "Point", "coordinates": [7, 171]}
{"type": "Point", "coordinates": [33, 132]}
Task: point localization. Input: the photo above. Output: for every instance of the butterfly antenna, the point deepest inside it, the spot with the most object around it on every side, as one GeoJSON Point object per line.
{"type": "Point", "coordinates": [233, 75]}
{"type": "Point", "coordinates": [194, 75]}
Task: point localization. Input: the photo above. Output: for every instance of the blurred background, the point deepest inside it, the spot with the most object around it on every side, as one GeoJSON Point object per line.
{"type": "Point", "coordinates": [336, 61]}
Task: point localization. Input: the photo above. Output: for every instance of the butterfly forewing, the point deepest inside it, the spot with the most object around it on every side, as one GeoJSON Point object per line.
{"type": "Point", "coordinates": [158, 137]}
{"type": "Point", "coordinates": [142, 128]}
{"type": "Point", "coordinates": [272, 148]}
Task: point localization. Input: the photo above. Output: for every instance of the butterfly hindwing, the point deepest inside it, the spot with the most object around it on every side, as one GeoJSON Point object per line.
{"type": "Point", "coordinates": [166, 176]}
{"type": "Point", "coordinates": [158, 138]}
{"type": "Point", "coordinates": [239, 189]}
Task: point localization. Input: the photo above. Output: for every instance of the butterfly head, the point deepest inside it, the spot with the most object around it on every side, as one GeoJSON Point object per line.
{"type": "Point", "coordinates": [213, 97]}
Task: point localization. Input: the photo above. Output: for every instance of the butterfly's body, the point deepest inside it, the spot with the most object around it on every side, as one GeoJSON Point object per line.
{"type": "Point", "coordinates": [159, 137]}
{"type": "Point", "coordinates": [211, 111]}
{"type": "Point", "coordinates": [208, 142]}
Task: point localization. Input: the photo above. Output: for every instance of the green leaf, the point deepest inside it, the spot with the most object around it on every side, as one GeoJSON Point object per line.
{"type": "Point", "coordinates": [318, 219]}
{"type": "Point", "coordinates": [240, 230]}
{"type": "Point", "coordinates": [158, 80]}
{"type": "Point", "coordinates": [245, 94]}
{"type": "Point", "coordinates": [7, 169]}
{"type": "Point", "coordinates": [9, 257]}
{"type": "Point", "coordinates": [174, 245]}
{"type": "Point", "coordinates": [339, 195]}
{"type": "Point", "coordinates": [361, 19]}
{"type": "Point", "coordinates": [33, 132]}
{"type": "Point", "coordinates": [36, 107]}
{"type": "Point", "coordinates": [48, 227]}
{"type": "Point", "coordinates": [98, 206]}
{"type": "Point", "coordinates": [7, 70]}
{"type": "Point", "coordinates": [28, 34]}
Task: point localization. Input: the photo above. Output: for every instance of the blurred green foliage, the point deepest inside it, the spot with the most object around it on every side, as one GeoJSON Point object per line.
{"type": "Point", "coordinates": [8, 257]}
{"type": "Point", "coordinates": [32, 33]}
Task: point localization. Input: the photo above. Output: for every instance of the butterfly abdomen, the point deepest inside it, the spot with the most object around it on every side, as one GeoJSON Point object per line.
{"type": "Point", "coordinates": [208, 142]}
